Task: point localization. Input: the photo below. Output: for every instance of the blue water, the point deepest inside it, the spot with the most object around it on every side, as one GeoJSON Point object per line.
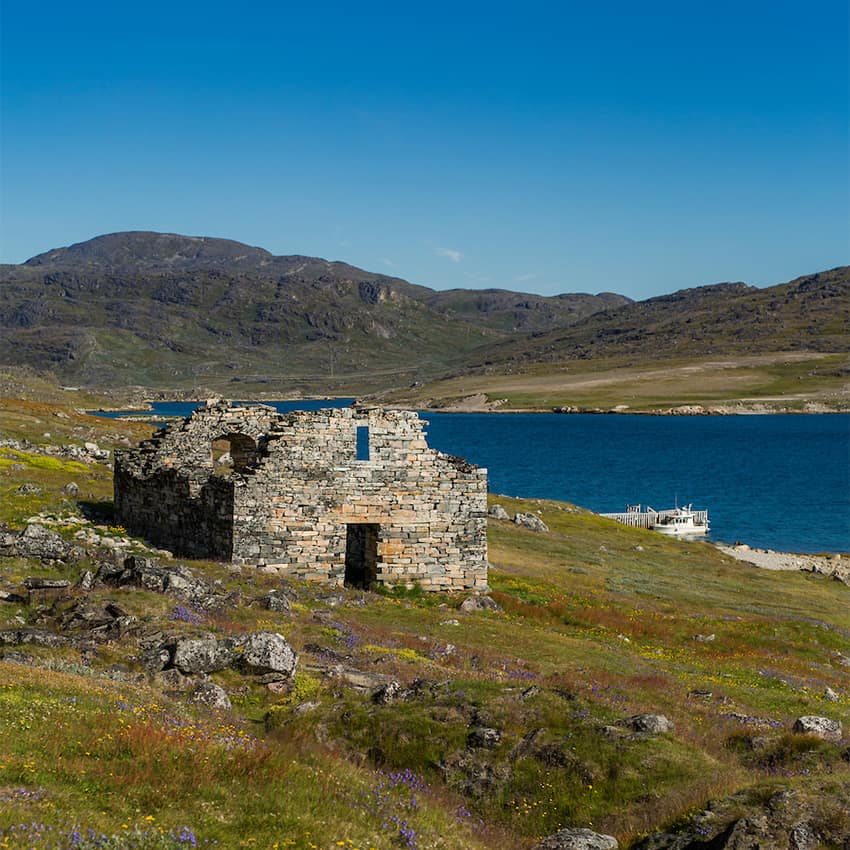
{"type": "Point", "coordinates": [779, 482]}
{"type": "Point", "coordinates": [184, 408]}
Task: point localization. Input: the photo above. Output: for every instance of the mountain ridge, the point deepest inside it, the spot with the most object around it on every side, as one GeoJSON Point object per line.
{"type": "Point", "coordinates": [144, 307]}
{"type": "Point", "coordinates": [160, 309]}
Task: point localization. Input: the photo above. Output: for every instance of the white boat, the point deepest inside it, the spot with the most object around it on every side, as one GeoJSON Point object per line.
{"type": "Point", "coordinates": [681, 522]}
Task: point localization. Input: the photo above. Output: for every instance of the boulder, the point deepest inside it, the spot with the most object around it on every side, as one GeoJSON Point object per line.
{"type": "Point", "coordinates": [71, 489]}
{"type": "Point", "coordinates": [41, 583]}
{"type": "Point", "coordinates": [820, 727]}
{"type": "Point", "coordinates": [578, 839]}
{"type": "Point", "coordinates": [479, 603]}
{"type": "Point", "coordinates": [151, 575]}
{"type": "Point", "coordinates": [277, 602]}
{"type": "Point", "coordinates": [647, 724]}
{"type": "Point", "coordinates": [531, 521]}
{"type": "Point", "coordinates": [12, 597]}
{"type": "Point", "coordinates": [86, 581]}
{"type": "Point", "coordinates": [267, 652]}
{"type": "Point", "coordinates": [384, 695]}
{"type": "Point", "coordinates": [473, 773]}
{"type": "Point", "coordinates": [201, 655]}
{"type": "Point", "coordinates": [212, 696]}
{"type": "Point", "coordinates": [483, 736]}
{"type": "Point", "coordinates": [36, 541]}
{"type": "Point", "coordinates": [498, 512]}
{"type": "Point", "coordinates": [155, 659]}
{"type": "Point", "coordinates": [35, 637]}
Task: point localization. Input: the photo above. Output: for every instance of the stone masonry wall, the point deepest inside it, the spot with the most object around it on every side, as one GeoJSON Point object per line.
{"type": "Point", "coordinates": [289, 501]}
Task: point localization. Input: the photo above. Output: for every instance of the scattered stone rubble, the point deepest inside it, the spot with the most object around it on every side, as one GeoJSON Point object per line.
{"type": "Point", "coordinates": [303, 498]}
{"type": "Point", "coordinates": [81, 623]}
{"type": "Point", "coordinates": [789, 819]}
{"type": "Point", "coordinates": [87, 453]}
{"type": "Point", "coordinates": [531, 521]}
{"type": "Point", "coordinates": [834, 566]}
{"type": "Point", "coordinates": [37, 541]}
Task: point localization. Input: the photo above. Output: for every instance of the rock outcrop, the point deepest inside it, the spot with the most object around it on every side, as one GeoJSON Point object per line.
{"type": "Point", "coordinates": [578, 839]}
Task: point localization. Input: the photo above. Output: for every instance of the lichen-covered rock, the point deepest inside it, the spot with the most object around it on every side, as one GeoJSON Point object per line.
{"type": "Point", "coordinates": [531, 521]}
{"type": "Point", "coordinates": [277, 602]}
{"type": "Point", "coordinates": [384, 695]}
{"type": "Point", "coordinates": [484, 736]}
{"type": "Point", "coordinates": [41, 583]}
{"type": "Point", "coordinates": [474, 773]}
{"type": "Point", "coordinates": [86, 581]}
{"type": "Point", "coordinates": [803, 818]}
{"type": "Point", "coordinates": [821, 727]}
{"type": "Point", "coordinates": [211, 695]}
{"type": "Point", "coordinates": [36, 541]}
{"type": "Point", "coordinates": [155, 658]}
{"type": "Point", "coordinates": [202, 655]}
{"type": "Point", "coordinates": [479, 603]}
{"type": "Point", "coordinates": [36, 637]}
{"type": "Point", "coordinates": [498, 512]}
{"type": "Point", "coordinates": [267, 652]}
{"type": "Point", "coordinates": [647, 724]}
{"type": "Point", "coordinates": [151, 575]}
{"type": "Point", "coordinates": [578, 839]}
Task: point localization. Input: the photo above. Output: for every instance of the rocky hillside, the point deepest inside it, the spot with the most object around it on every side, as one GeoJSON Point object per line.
{"type": "Point", "coordinates": [168, 310]}
{"type": "Point", "coordinates": [597, 697]}
{"type": "Point", "coordinates": [810, 313]}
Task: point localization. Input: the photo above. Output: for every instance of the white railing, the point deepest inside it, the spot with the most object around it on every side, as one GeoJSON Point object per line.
{"type": "Point", "coordinates": [646, 519]}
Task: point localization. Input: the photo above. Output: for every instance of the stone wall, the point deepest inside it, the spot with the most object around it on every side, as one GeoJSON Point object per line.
{"type": "Point", "coordinates": [298, 485]}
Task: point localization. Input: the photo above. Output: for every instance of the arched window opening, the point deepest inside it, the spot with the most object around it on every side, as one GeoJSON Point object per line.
{"type": "Point", "coordinates": [232, 453]}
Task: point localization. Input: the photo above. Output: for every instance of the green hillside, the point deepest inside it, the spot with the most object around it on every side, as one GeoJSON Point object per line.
{"type": "Point", "coordinates": [503, 725]}
{"type": "Point", "coordinates": [161, 310]}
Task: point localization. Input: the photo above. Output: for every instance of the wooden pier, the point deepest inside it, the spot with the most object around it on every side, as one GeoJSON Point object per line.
{"type": "Point", "coordinates": [637, 518]}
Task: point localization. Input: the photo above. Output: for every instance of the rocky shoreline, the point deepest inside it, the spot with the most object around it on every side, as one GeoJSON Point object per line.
{"type": "Point", "coordinates": [479, 403]}
{"type": "Point", "coordinates": [836, 565]}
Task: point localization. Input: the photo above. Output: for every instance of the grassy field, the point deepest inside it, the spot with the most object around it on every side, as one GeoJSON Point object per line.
{"type": "Point", "coordinates": [783, 380]}
{"type": "Point", "coordinates": [597, 622]}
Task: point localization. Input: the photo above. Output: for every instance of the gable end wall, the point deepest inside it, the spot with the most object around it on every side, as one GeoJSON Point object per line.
{"type": "Point", "coordinates": [291, 505]}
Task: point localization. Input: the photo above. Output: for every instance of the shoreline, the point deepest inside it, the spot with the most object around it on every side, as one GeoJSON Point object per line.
{"type": "Point", "coordinates": [756, 409]}
{"type": "Point", "coordinates": [836, 565]}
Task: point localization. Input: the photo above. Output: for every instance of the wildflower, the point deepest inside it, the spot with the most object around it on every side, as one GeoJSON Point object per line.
{"type": "Point", "coordinates": [186, 836]}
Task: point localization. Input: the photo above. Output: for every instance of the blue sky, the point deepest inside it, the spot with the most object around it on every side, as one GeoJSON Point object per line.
{"type": "Point", "coordinates": [548, 147]}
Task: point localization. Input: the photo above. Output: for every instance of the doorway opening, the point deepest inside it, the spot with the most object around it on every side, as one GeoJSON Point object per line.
{"type": "Point", "coordinates": [361, 554]}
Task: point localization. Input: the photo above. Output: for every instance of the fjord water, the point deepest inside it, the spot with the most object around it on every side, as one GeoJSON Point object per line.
{"type": "Point", "coordinates": [771, 481]}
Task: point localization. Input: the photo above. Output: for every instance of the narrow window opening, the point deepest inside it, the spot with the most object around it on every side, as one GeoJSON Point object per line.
{"type": "Point", "coordinates": [362, 442]}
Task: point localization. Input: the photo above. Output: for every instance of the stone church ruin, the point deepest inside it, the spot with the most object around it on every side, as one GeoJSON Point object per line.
{"type": "Point", "coordinates": [350, 496]}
